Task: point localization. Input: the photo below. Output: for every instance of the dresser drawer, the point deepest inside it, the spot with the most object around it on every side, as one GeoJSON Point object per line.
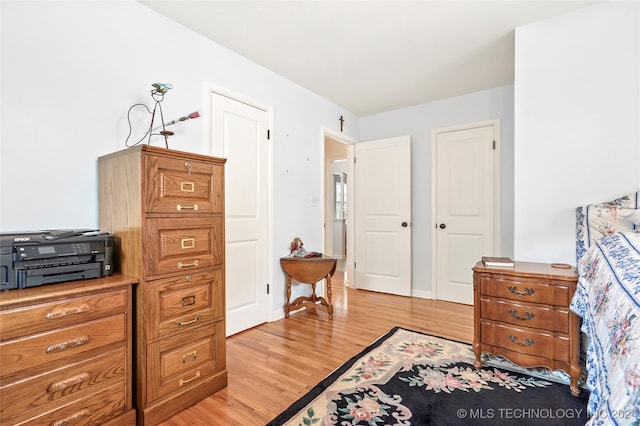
{"type": "Point", "coordinates": [41, 317]}
{"type": "Point", "coordinates": [39, 349]}
{"type": "Point", "coordinates": [525, 291]}
{"type": "Point", "coordinates": [185, 361]}
{"type": "Point", "coordinates": [182, 303]}
{"type": "Point", "coordinates": [526, 340]}
{"type": "Point", "coordinates": [187, 357]}
{"type": "Point", "coordinates": [528, 315]}
{"type": "Point", "coordinates": [186, 186]}
{"type": "Point", "coordinates": [92, 409]}
{"type": "Point", "coordinates": [26, 398]}
{"type": "Point", "coordinates": [183, 244]}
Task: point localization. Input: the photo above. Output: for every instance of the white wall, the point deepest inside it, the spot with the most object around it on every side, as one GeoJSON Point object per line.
{"type": "Point", "coordinates": [418, 121]}
{"type": "Point", "coordinates": [70, 70]}
{"type": "Point", "coordinates": [577, 114]}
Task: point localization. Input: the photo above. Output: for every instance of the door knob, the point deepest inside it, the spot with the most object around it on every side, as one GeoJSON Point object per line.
{"type": "Point", "coordinates": [405, 224]}
{"type": "Point", "coordinates": [442, 226]}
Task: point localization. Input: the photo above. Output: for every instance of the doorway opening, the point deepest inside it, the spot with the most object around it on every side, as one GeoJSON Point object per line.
{"type": "Point", "coordinates": [337, 237]}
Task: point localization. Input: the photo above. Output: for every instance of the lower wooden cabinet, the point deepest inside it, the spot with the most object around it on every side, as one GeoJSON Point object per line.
{"type": "Point", "coordinates": [66, 353]}
{"type": "Point", "coordinates": [182, 358]}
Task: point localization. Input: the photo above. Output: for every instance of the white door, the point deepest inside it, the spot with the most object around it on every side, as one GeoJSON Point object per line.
{"type": "Point", "coordinates": [239, 134]}
{"type": "Point", "coordinates": [383, 215]}
{"type": "Point", "coordinates": [465, 183]}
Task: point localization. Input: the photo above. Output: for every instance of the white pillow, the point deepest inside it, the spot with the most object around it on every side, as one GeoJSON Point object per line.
{"type": "Point", "coordinates": [632, 215]}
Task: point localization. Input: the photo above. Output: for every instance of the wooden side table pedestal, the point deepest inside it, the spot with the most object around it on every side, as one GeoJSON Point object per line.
{"type": "Point", "coordinates": [309, 270]}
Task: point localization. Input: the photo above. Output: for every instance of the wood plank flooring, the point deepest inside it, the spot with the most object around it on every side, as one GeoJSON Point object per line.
{"type": "Point", "coordinates": [274, 364]}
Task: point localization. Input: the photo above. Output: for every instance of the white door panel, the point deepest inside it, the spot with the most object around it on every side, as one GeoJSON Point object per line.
{"type": "Point", "coordinates": [239, 134]}
{"type": "Point", "coordinates": [382, 206]}
{"type": "Point", "coordinates": [464, 208]}
{"type": "Point", "coordinates": [239, 254]}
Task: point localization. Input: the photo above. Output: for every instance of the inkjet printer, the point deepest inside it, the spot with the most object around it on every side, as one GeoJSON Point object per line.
{"type": "Point", "coordinates": [29, 259]}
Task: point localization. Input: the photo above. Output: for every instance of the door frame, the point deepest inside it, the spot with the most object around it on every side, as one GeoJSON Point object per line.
{"type": "Point", "coordinates": [208, 149]}
{"type": "Point", "coordinates": [434, 196]}
{"type": "Point", "coordinates": [350, 142]}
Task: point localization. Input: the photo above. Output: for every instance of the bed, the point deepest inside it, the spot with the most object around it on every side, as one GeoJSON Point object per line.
{"type": "Point", "coordinates": [607, 299]}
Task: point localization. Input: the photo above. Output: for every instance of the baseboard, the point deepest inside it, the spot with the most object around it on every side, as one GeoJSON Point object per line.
{"type": "Point", "coordinates": [276, 314]}
{"type": "Point", "coordinates": [421, 294]}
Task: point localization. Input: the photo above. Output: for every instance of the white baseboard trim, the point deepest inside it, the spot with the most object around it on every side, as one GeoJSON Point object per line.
{"type": "Point", "coordinates": [276, 314]}
{"type": "Point", "coordinates": [421, 294]}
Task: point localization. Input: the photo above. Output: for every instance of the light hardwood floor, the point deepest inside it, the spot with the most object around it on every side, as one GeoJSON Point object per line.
{"type": "Point", "coordinates": [274, 364]}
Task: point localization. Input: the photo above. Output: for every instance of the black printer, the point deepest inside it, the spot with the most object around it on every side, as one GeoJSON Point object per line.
{"type": "Point", "coordinates": [33, 258]}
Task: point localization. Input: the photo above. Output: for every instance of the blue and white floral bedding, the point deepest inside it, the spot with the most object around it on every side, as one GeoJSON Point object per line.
{"type": "Point", "coordinates": [608, 300]}
{"type": "Point", "coordinates": [595, 221]}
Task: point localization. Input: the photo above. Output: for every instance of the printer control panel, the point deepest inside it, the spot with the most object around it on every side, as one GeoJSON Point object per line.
{"type": "Point", "coordinates": [27, 252]}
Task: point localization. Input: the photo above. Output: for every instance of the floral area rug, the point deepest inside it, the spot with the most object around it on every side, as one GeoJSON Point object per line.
{"type": "Point", "coordinates": [411, 378]}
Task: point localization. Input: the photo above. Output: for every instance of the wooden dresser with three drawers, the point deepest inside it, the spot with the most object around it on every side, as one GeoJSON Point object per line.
{"type": "Point", "coordinates": [522, 313]}
{"type": "Point", "coordinates": [65, 354]}
{"type": "Point", "coordinates": [166, 211]}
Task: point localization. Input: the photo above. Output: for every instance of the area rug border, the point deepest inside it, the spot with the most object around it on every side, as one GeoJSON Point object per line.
{"type": "Point", "coordinates": [320, 387]}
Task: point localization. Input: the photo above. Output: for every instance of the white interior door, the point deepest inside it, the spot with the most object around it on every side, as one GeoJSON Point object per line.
{"type": "Point", "coordinates": [239, 134]}
{"type": "Point", "coordinates": [465, 184]}
{"type": "Point", "coordinates": [383, 215]}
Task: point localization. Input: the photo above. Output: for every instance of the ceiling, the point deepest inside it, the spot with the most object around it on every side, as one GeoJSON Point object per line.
{"type": "Point", "coordinates": [372, 56]}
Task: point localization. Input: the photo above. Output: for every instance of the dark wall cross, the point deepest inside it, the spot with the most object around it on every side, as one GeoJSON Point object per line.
{"type": "Point", "coordinates": [341, 122]}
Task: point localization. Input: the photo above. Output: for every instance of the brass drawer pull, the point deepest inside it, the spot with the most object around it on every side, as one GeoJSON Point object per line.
{"type": "Point", "coordinates": [187, 186]}
{"type": "Point", "coordinates": [527, 315]}
{"type": "Point", "coordinates": [187, 243]}
{"type": "Point", "coordinates": [180, 207]}
{"type": "Point", "coordinates": [63, 312]}
{"type": "Point", "coordinates": [183, 265]}
{"type": "Point", "coordinates": [82, 340]}
{"type": "Point", "coordinates": [527, 341]}
{"type": "Point", "coordinates": [191, 356]}
{"type": "Point", "coordinates": [188, 300]}
{"type": "Point", "coordinates": [193, 321]}
{"type": "Point", "coordinates": [527, 291]}
{"type": "Point", "coordinates": [64, 384]}
{"type": "Point", "coordinates": [72, 419]}
{"type": "Point", "coordinates": [188, 166]}
{"type": "Point", "coordinates": [185, 381]}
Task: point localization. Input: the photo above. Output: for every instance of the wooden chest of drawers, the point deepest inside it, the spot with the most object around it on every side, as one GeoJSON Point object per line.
{"type": "Point", "coordinates": [65, 354]}
{"type": "Point", "coordinates": [522, 313]}
{"type": "Point", "coordinates": [166, 210]}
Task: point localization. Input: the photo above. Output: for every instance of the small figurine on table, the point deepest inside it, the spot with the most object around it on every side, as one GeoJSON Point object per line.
{"type": "Point", "coordinates": [296, 248]}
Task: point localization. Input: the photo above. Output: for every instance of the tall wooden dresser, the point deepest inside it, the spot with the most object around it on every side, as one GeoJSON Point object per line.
{"type": "Point", "coordinates": [166, 210]}
{"type": "Point", "coordinates": [65, 353]}
{"type": "Point", "coordinates": [522, 313]}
